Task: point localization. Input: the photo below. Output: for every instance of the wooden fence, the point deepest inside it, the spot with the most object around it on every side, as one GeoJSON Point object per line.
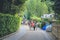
{"type": "Point", "coordinates": [56, 30]}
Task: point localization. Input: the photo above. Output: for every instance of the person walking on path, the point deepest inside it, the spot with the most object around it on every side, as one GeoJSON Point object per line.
{"type": "Point", "coordinates": [37, 25]}
{"type": "Point", "coordinates": [33, 24]}
{"type": "Point", "coordinates": [29, 23]}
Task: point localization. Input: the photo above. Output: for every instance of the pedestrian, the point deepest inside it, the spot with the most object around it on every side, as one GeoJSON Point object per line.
{"type": "Point", "coordinates": [37, 25]}
{"type": "Point", "coordinates": [29, 23]}
{"type": "Point", "coordinates": [33, 25]}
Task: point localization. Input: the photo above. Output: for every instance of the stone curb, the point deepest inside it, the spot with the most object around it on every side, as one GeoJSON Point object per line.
{"type": "Point", "coordinates": [8, 35]}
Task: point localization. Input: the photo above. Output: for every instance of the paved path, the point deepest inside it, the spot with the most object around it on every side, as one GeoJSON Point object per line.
{"type": "Point", "coordinates": [25, 34]}
{"type": "Point", "coordinates": [18, 34]}
{"type": "Point", "coordinates": [37, 35]}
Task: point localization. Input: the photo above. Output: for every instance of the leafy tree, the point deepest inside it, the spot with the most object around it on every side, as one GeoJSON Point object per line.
{"type": "Point", "coordinates": [49, 4]}
{"type": "Point", "coordinates": [57, 8]}
{"type": "Point", "coordinates": [36, 7]}
{"type": "Point", "coordinates": [10, 6]}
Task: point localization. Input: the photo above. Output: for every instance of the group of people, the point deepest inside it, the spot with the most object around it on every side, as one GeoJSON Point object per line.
{"type": "Point", "coordinates": [44, 26]}
{"type": "Point", "coordinates": [33, 24]}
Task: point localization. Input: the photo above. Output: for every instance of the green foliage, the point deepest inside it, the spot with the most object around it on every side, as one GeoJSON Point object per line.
{"type": "Point", "coordinates": [53, 0]}
{"type": "Point", "coordinates": [36, 18]}
{"type": "Point", "coordinates": [19, 2]}
{"type": "Point", "coordinates": [49, 4]}
{"type": "Point", "coordinates": [43, 0]}
{"type": "Point", "coordinates": [57, 9]}
{"type": "Point", "coordinates": [57, 22]}
{"type": "Point", "coordinates": [10, 6]}
{"type": "Point", "coordinates": [20, 20]}
{"type": "Point", "coordinates": [8, 24]}
{"type": "Point", "coordinates": [35, 7]}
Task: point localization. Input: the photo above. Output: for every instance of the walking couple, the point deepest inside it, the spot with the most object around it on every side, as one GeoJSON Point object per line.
{"type": "Point", "coordinates": [32, 24]}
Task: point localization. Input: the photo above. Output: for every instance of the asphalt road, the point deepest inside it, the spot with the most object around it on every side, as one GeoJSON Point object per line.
{"type": "Point", "coordinates": [25, 34]}
{"type": "Point", "coordinates": [37, 35]}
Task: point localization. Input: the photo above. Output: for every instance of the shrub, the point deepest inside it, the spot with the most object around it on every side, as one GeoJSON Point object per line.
{"type": "Point", "coordinates": [11, 6]}
{"type": "Point", "coordinates": [20, 20]}
{"type": "Point", "coordinates": [57, 21]}
{"type": "Point", "coordinates": [36, 18]}
{"type": "Point", "coordinates": [8, 24]}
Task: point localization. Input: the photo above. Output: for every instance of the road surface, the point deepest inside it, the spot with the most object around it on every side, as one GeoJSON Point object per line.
{"type": "Point", "coordinates": [37, 35]}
